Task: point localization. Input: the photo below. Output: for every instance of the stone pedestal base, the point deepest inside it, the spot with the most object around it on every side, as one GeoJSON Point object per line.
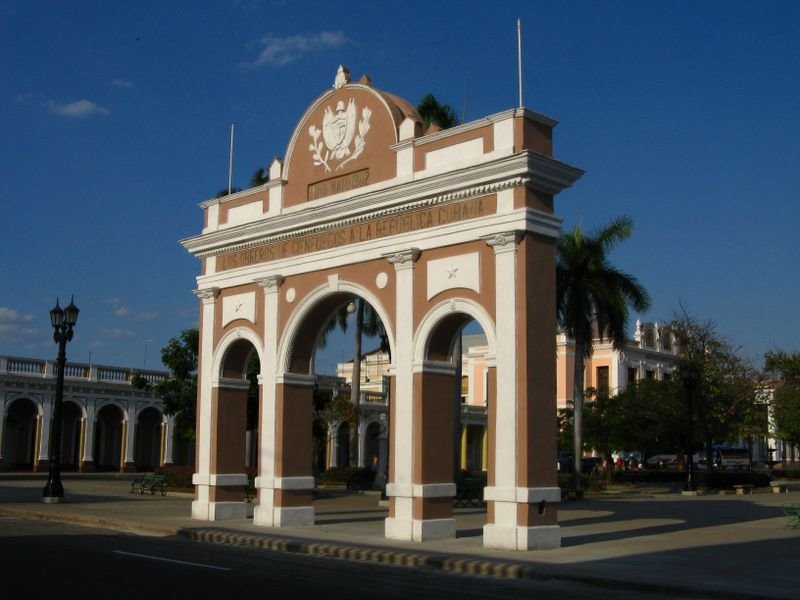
{"type": "Point", "coordinates": [544, 537]}
{"type": "Point", "coordinates": [219, 511]}
{"type": "Point", "coordinates": [297, 516]}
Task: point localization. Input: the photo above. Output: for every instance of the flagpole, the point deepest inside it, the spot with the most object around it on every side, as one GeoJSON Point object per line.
{"type": "Point", "coordinates": [230, 164]}
{"type": "Point", "coordinates": [519, 58]}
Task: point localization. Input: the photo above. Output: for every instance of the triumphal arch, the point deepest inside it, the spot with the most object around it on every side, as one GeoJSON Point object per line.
{"type": "Point", "coordinates": [434, 228]}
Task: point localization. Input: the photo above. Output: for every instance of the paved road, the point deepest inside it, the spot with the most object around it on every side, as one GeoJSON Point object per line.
{"type": "Point", "coordinates": [717, 546]}
{"type": "Point", "coordinates": [55, 560]}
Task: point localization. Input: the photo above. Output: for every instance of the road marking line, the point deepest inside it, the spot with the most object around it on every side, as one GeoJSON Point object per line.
{"type": "Point", "coordinates": [180, 562]}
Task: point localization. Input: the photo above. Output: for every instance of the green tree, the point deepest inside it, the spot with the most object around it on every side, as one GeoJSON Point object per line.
{"type": "Point", "coordinates": [592, 297]}
{"type": "Point", "coordinates": [719, 386]}
{"type": "Point", "coordinates": [179, 390]}
{"type": "Point", "coordinates": [786, 398]}
{"type": "Point", "coordinates": [434, 112]}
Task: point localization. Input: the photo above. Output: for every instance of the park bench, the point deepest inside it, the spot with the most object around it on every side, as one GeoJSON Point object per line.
{"type": "Point", "coordinates": [793, 512]}
{"type": "Point", "coordinates": [743, 488]}
{"type": "Point", "coordinates": [780, 487]}
{"type": "Point", "coordinates": [150, 482]}
{"type": "Point", "coordinates": [469, 490]}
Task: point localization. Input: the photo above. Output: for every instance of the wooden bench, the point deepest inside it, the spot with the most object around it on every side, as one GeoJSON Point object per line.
{"type": "Point", "coordinates": [150, 482]}
{"type": "Point", "coordinates": [793, 512]}
{"type": "Point", "coordinates": [743, 488]}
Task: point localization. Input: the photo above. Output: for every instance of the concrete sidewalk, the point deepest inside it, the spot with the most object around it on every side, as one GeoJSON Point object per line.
{"type": "Point", "coordinates": [723, 546]}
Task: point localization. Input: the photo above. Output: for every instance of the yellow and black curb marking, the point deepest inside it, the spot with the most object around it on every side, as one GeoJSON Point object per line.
{"type": "Point", "coordinates": [467, 566]}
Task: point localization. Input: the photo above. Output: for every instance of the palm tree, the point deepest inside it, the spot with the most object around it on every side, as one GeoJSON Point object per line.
{"type": "Point", "coordinates": [434, 112]}
{"type": "Point", "coordinates": [592, 298]}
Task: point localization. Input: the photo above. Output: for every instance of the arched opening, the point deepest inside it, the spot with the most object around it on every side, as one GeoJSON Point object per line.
{"type": "Point", "coordinates": [70, 436]}
{"type": "Point", "coordinates": [19, 435]}
{"type": "Point", "coordinates": [453, 383]}
{"type": "Point", "coordinates": [108, 438]}
{"type": "Point", "coordinates": [147, 443]}
{"type": "Point", "coordinates": [372, 447]}
{"type": "Point", "coordinates": [343, 445]}
{"type": "Point", "coordinates": [237, 409]}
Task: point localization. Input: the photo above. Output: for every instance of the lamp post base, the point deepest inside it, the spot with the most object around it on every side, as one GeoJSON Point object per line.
{"type": "Point", "coordinates": [52, 499]}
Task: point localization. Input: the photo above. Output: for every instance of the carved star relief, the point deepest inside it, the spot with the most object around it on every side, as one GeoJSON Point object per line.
{"type": "Point", "coordinates": [452, 271]}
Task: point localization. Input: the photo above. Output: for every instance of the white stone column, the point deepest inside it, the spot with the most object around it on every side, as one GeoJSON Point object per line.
{"type": "Point", "coordinates": [168, 425]}
{"type": "Point", "coordinates": [265, 512]}
{"type": "Point", "coordinates": [133, 427]}
{"type": "Point", "coordinates": [503, 532]}
{"type": "Point", "coordinates": [201, 505]}
{"type": "Point", "coordinates": [88, 442]}
{"type": "Point", "coordinates": [45, 422]}
{"type": "Point", "coordinates": [400, 489]}
{"type": "Point", "coordinates": [334, 445]}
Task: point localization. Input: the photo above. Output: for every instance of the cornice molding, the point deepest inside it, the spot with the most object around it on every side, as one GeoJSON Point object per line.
{"type": "Point", "coordinates": [471, 182]}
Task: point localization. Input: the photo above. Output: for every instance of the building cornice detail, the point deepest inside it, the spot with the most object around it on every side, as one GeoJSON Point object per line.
{"type": "Point", "coordinates": [480, 180]}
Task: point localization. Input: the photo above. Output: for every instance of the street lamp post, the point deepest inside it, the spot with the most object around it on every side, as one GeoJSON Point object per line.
{"type": "Point", "coordinates": [690, 383]}
{"type": "Point", "coordinates": [63, 320]}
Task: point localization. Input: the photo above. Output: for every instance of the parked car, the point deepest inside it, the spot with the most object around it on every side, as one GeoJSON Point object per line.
{"type": "Point", "coordinates": [662, 461]}
{"type": "Point", "coordinates": [588, 463]}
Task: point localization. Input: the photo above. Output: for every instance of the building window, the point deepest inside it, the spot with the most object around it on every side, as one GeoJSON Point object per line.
{"type": "Point", "coordinates": [631, 375]}
{"type": "Point", "coordinates": [649, 374]}
{"type": "Point", "coordinates": [602, 381]}
{"type": "Point", "coordinates": [666, 342]}
{"type": "Point", "coordinates": [649, 339]}
{"type": "Point", "coordinates": [464, 388]}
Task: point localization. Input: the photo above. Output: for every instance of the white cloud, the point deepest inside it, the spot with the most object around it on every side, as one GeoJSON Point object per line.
{"type": "Point", "coordinates": [123, 312]}
{"type": "Point", "coordinates": [119, 333]}
{"type": "Point", "coordinates": [14, 324]}
{"type": "Point", "coordinates": [122, 83]}
{"type": "Point", "coordinates": [79, 109]}
{"type": "Point", "coordinates": [280, 51]}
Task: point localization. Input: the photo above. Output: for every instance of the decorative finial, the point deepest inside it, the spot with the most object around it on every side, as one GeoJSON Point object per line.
{"type": "Point", "coordinates": [342, 77]}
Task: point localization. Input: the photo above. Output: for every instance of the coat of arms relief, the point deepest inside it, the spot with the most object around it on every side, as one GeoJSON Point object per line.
{"type": "Point", "coordinates": [342, 138]}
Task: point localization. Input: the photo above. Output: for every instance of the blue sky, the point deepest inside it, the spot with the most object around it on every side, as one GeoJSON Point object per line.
{"type": "Point", "coordinates": [116, 119]}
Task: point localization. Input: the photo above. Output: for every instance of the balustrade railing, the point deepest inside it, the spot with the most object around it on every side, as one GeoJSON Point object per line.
{"type": "Point", "coordinates": [87, 372]}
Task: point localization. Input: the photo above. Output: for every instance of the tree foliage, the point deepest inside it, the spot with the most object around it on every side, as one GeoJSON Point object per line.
{"type": "Point", "coordinates": [434, 112]}
{"type": "Point", "coordinates": [719, 385]}
{"type": "Point", "coordinates": [179, 391]}
{"type": "Point", "coordinates": [786, 398]}
{"type": "Point", "coordinates": [592, 297]}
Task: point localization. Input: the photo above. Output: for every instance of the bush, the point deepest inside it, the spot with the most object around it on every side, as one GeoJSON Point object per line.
{"type": "Point", "coordinates": [177, 477]}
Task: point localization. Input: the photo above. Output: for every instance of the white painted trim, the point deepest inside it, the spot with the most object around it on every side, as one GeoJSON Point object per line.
{"type": "Point", "coordinates": [443, 309]}
{"type": "Point", "coordinates": [433, 490]}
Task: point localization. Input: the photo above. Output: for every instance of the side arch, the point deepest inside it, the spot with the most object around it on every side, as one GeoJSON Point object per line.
{"type": "Point", "coordinates": [426, 347]}
{"type": "Point", "coordinates": [226, 348]}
